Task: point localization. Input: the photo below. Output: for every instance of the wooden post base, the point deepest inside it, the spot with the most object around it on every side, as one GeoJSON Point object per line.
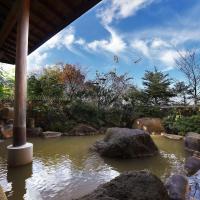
{"type": "Point", "coordinates": [21, 155]}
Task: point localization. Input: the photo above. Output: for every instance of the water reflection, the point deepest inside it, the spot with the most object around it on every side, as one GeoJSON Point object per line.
{"type": "Point", "coordinates": [17, 177]}
{"type": "Point", "coordinates": [64, 169]}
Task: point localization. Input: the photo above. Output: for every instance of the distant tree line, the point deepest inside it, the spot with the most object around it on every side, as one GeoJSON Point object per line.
{"type": "Point", "coordinates": [61, 96]}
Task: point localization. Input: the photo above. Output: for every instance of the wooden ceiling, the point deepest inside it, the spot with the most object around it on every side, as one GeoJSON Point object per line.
{"type": "Point", "coordinates": [47, 17]}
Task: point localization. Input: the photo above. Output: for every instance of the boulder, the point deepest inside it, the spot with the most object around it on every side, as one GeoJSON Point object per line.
{"type": "Point", "coordinates": [82, 130]}
{"type": "Point", "coordinates": [192, 141]}
{"type": "Point", "coordinates": [51, 134]}
{"type": "Point", "coordinates": [7, 113]}
{"type": "Point", "coordinates": [2, 194]}
{"type": "Point", "coordinates": [141, 185]}
{"type": "Point", "coordinates": [125, 143]}
{"type": "Point", "coordinates": [151, 125]}
{"type": "Point", "coordinates": [194, 183]}
{"type": "Point", "coordinates": [34, 132]}
{"type": "Point", "coordinates": [6, 131]}
{"type": "Point", "coordinates": [192, 165]}
{"type": "Point", "coordinates": [177, 187]}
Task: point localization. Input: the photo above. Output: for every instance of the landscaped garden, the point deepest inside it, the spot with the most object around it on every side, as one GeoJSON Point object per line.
{"type": "Point", "coordinates": [63, 104]}
{"type": "Point", "coordinates": [123, 123]}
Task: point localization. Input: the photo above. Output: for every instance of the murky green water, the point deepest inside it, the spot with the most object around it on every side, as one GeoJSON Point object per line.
{"type": "Point", "coordinates": [63, 168]}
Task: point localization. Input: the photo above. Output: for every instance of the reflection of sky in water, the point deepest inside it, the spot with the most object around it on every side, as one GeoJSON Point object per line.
{"type": "Point", "coordinates": [60, 180]}
{"type": "Point", "coordinates": [67, 170]}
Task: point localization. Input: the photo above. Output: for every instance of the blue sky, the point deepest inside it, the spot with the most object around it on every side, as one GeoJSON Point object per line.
{"type": "Point", "coordinates": [152, 30]}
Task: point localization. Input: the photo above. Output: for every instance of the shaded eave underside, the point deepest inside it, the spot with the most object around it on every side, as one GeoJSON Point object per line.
{"type": "Point", "coordinates": [47, 17]}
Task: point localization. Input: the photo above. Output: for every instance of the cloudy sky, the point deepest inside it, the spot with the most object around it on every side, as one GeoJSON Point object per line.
{"type": "Point", "coordinates": [150, 31]}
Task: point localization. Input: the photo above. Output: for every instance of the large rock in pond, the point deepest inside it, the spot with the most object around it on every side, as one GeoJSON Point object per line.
{"type": "Point", "coordinates": [2, 194]}
{"type": "Point", "coordinates": [82, 130]}
{"type": "Point", "coordinates": [192, 165]}
{"type": "Point", "coordinates": [192, 141]}
{"type": "Point", "coordinates": [125, 143]}
{"type": "Point", "coordinates": [151, 125]}
{"type": "Point", "coordinates": [140, 185]}
{"type": "Point", "coordinates": [177, 187]}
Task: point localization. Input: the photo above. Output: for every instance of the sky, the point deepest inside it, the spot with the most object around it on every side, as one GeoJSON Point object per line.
{"type": "Point", "coordinates": [150, 31]}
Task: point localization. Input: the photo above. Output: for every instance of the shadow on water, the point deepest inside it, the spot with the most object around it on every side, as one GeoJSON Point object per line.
{"type": "Point", "coordinates": [17, 178]}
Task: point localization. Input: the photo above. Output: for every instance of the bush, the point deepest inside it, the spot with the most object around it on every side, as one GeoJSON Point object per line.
{"type": "Point", "coordinates": [182, 125]}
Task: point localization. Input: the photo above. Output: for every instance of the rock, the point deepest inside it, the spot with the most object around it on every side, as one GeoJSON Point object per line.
{"type": "Point", "coordinates": [151, 125]}
{"type": "Point", "coordinates": [177, 187]}
{"type": "Point", "coordinates": [192, 141]}
{"type": "Point", "coordinates": [2, 194]}
{"type": "Point", "coordinates": [141, 185]}
{"type": "Point", "coordinates": [172, 136]}
{"type": "Point", "coordinates": [125, 143]}
{"type": "Point", "coordinates": [34, 132]}
{"type": "Point", "coordinates": [192, 165]}
{"type": "Point", "coordinates": [194, 183]}
{"type": "Point", "coordinates": [102, 130]}
{"type": "Point", "coordinates": [51, 134]}
{"type": "Point", "coordinates": [82, 130]}
{"type": "Point", "coordinates": [6, 131]}
{"type": "Point", "coordinates": [7, 113]}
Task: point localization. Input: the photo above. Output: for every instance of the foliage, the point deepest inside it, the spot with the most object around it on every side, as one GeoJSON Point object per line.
{"type": "Point", "coordinates": [109, 88]}
{"type": "Point", "coordinates": [181, 90]}
{"type": "Point", "coordinates": [176, 123]}
{"type": "Point", "coordinates": [72, 79]}
{"type": "Point", "coordinates": [6, 84]}
{"type": "Point", "coordinates": [157, 87]}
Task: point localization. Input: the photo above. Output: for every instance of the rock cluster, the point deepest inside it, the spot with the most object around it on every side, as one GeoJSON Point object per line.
{"type": "Point", "coordinates": [125, 143]}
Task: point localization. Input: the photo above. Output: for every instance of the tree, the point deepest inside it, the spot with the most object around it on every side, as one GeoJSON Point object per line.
{"type": "Point", "coordinates": [110, 88]}
{"type": "Point", "coordinates": [34, 88]}
{"type": "Point", "coordinates": [72, 79]}
{"type": "Point", "coordinates": [188, 64]}
{"type": "Point", "coordinates": [50, 82]}
{"type": "Point", "coordinates": [157, 87]}
{"type": "Point", "coordinates": [6, 83]}
{"type": "Point", "coordinates": [181, 90]}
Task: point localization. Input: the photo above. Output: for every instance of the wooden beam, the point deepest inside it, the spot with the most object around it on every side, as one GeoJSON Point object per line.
{"type": "Point", "coordinates": [76, 13]}
{"type": "Point", "coordinates": [52, 10]}
{"type": "Point", "coordinates": [9, 23]}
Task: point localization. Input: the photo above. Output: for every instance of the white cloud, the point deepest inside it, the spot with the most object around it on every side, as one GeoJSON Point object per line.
{"type": "Point", "coordinates": [35, 60]}
{"type": "Point", "coordinates": [168, 57]}
{"type": "Point", "coordinates": [159, 43]}
{"type": "Point", "coordinates": [115, 44]}
{"type": "Point", "coordinates": [80, 41]}
{"type": "Point", "coordinates": [141, 46]}
{"type": "Point", "coordinates": [120, 9]}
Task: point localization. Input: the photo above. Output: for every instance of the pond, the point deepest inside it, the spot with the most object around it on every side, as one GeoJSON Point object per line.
{"type": "Point", "coordinates": [64, 169]}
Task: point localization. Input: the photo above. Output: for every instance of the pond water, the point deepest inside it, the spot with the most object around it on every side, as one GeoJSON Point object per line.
{"type": "Point", "coordinates": [64, 169]}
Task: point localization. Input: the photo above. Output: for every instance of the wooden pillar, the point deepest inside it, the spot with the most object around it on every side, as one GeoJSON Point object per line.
{"type": "Point", "coordinates": [19, 130]}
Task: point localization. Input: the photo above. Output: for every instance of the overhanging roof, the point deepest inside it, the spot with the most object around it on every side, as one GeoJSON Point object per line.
{"type": "Point", "coordinates": [47, 17]}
